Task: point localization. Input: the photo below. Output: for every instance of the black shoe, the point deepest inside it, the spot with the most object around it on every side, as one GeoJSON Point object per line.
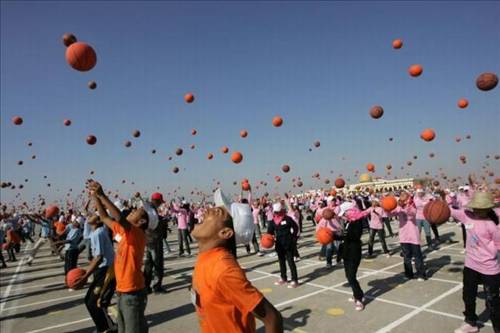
{"type": "Point", "coordinates": [149, 290]}
{"type": "Point", "coordinates": [160, 290]}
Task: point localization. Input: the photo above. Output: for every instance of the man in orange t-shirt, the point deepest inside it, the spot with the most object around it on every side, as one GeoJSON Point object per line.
{"type": "Point", "coordinates": [129, 233]}
{"type": "Point", "coordinates": [225, 300]}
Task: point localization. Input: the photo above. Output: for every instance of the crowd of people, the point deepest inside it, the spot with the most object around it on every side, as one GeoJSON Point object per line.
{"type": "Point", "coordinates": [124, 243]}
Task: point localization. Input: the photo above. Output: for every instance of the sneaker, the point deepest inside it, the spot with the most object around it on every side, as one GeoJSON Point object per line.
{"type": "Point", "coordinates": [352, 300]}
{"type": "Point", "coordinates": [320, 258]}
{"type": "Point", "coordinates": [272, 255]}
{"type": "Point", "coordinates": [359, 306]}
{"type": "Point", "coordinates": [420, 279]}
{"type": "Point", "coordinates": [280, 282]}
{"type": "Point", "coordinates": [388, 255]}
{"type": "Point", "coordinates": [71, 290]}
{"type": "Point", "coordinates": [260, 254]}
{"type": "Point", "coordinates": [328, 266]}
{"type": "Point", "coordinates": [467, 328]}
{"type": "Point", "coordinates": [297, 258]}
{"type": "Point", "coordinates": [293, 285]}
{"type": "Point", "coordinates": [159, 290]}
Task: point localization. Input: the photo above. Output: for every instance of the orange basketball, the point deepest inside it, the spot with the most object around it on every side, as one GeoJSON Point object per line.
{"type": "Point", "coordinates": [376, 112]}
{"type": "Point", "coordinates": [388, 203]}
{"type": "Point", "coordinates": [462, 103]}
{"type": "Point", "coordinates": [17, 120]}
{"type": "Point", "coordinates": [437, 212]}
{"type": "Point", "coordinates": [189, 98]}
{"type": "Point", "coordinates": [415, 70]}
{"type": "Point", "coordinates": [236, 157]}
{"type": "Point", "coordinates": [428, 134]}
{"type": "Point", "coordinates": [136, 133]}
{"type": "Point", "coordinates": [339, 183]}
{"type": "Point", "coordinates": [370, 167]}
{"type": "Point", "coordinates": [178, 151]}
{"type": "Point", "coordinates": [67, 122]}
{"type": "Point", "coordinates": [285, 168]}
{"type": "Point", "coordinates": [210, 156]}
{"type": "Point", "coordinates": [68, 39]}
{"type": "Point", "coordinates": [243, 133]}
{"type": "Point", "coordinates": [397, 44]}
{"type": "Point", "coordinates": [267, 241]}
{"type": "Point", "coordinates": [74, 275]}
{"type": "Point", "coordinates": [225, 149]}
{"type": "Point", "coordinates": [193, 131]}
{"type": "Point", "coordinates": [92, 85]}
{"type": "Point", "coordinates": [51, 211]}
{"type": "Point", "coordinates": [91, 140]}
{"type": "Point", "coordinates": [277, 121]}
{"type": "Point", "coordinates": [245, 186]}
{"type": "Point", "coordinates": [324, 236]}
{"type": "Point", "coordinates": [487, 81]}
{"type": "Point", "coordinates": [81, 56]}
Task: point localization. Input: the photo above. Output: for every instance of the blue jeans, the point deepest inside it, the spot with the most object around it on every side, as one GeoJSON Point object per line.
{"type": "Point", "coordinates": [426, 225]}
{"type": "Point", "coordinates": [330, 248]}
{"type": "Point", "coordinates": [131, 308]}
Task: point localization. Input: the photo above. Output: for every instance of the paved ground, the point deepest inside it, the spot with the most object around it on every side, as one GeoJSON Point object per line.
{"type": "Point", "coordinates": [34, 298]}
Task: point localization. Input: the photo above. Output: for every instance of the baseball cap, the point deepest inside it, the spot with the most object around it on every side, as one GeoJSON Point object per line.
{"type": "Point", "coordinates": [277, 207]}
{"type": "Point", "coordinates": [157, 196]}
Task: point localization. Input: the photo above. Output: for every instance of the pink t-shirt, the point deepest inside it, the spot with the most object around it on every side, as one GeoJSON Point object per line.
{"type": "Point", "coordinates": [464, 198]}
{"type": "Point", "coordinates": [269, 213]}
{"type": "Point", "coordinates": [182, 217]}
{"type": "Point", "coordinates": [255, 214]}
{"type": "Point", "coordinates": [332, 224]}
{"type": "Point", "coordinates": [483, 242]}
{"type": "Point", "coordinates": [420, 203]}
{"type": "Point", "coordinates": [376, 214]}
{"type": "Point", "coordinates": [408, 230]}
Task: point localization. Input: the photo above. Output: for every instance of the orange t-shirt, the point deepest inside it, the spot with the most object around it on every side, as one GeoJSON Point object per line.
{"type": "Point", "coordinates": [223, 297]}
{"type": "Point", "coordinates": [128, 258]}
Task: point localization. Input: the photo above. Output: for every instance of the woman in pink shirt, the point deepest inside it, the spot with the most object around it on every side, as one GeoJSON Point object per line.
{"type": "Point", "coordinates": [409, 237]}
{"type": "Point", "coordinates": [420, 200]}
{"type": "Point", "coordinates": [335, 226]}
{"type": "Point", "coordinates": [376, 227]}
{"type": "Point", "coordinates": [182, 215]}
{"type": "Point", "coordinates": [481, 259]}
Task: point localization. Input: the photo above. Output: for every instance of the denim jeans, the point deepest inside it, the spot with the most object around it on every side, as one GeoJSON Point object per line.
{"type": "Point", "coordinates": [183, 238]}
{"type": "Point", "coordinates": [131, 308]}
{"type": "Point", "coordinates": [330, 248]}
{"type": "Point", "coordinates": [426, 225]}
{"type": "Point", "coordinates": [154, 262]}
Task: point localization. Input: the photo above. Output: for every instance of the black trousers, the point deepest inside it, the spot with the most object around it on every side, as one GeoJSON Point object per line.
{"type": "Point", "coordinates": [98, 313]}
{"type": "Point", "coordinates": [154, 262]}
{"type": "Point", "coordinates": [413, 251]}
{"type": "Point", "coordinates": [435, 231]}
{"type": "Point", "coordinates": [351, 253]}
{"type": "Point", "coordinates": [491, 284]}
{"type": "Point", "coordinates": [381, 237]}
{"type": "Point", "coordinates": [183, 238]}
{"type": "Point", "coordinates": [285, 254]}
{"type": "Point", "coordinates": [387, 223]}
{"type": "Point", "coordinates": [464, 234]}
{"type": "Point", "coordinates": [70, 260]}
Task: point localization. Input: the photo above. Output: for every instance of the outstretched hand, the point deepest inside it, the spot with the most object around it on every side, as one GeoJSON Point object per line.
{"type": "Point", "coordinates": [94, 187]}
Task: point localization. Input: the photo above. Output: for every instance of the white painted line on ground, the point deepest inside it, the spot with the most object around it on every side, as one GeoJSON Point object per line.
{"type": "Point", "coordinates": [38, 286]}
{"type": "Point", "coordinates": [298, 269]}
{"type": "Point", "coordinates": [60, 325]}
{"type": "Point", "coordinates": [413, 313]}
{"type": "Point", "coordinates": [44, 302]}
{"type": "Point", "coordinates": [12, 279]}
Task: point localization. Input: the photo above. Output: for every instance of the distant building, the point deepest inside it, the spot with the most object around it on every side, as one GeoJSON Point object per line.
{"type": "Point", "coordinates": [383, 185]}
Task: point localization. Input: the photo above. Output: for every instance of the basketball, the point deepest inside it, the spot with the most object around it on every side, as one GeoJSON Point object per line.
{"type": "Point", "coordinates": [327, 214]}
{"type": "Point", "coordinates": [128, 144]}
{"type": "Point", "coordinates": [51, 211]}
{"type": "Point", "coordinates": [339, 183]}
{"type": "Point", "coordinates": [67, 122]}
{"type": "Point", "coordinates": [210, 156]}
{"type": "Point", "coordinates": [299, 184]}
{"type": "Point", "coordinates": [175, 169]}
{"type": "Point", "coordinates": [91, 140]}
{"type": "Point", "coordinates": [243, 133]}
{"type": "Point", "coordinates": [370, 167]}
{"type": "Point", "coordinates": [17, 120]}
{"type": "Point", "coordinates": [277, 121]}
{"type": "Point", "coordinates": [267, 241]}
{"type": "Point", "coordinates": [397, 44]}
{"type": "Point", "coordinates": [462, 103]}
{"type": "Point", "coordinates": [74, 275]}
{"type": "Point", "coordinates": [68, 39]}
{"type": "Point", "coordinates": [428, 135]}
{"type": "Point", "coordinates": [388, 203]}
{"type": "Point", "coordinates": [136, 134]}
{"type": "Point", "coordinates": [81, 56]}
{"type": "Point", "coordinates": [236, 157]}
{"type": "Point", "coordinates": [245, 186]}
{"type": "Point", "coordinates": [92, 85]}
{"type": "Point", "coordinates": [415, 70]}
{"type": "Point", "coordinates": [437, 212]}
{"type": "Point", "coordinates": [225, 150]}
{"type": "Point", "coordinates": [317, 144]}
{"type": "Point", "coordinates": [487, 81]}
{"type": "Point", "coordinates": [189, 98]}
{"type": "Point", "coordinates": [285, 168]}
{"type": "Point", "coordinates": [324, 236]}
{"type": "Point", "coordinates": [178, 152]}
{"type": "Point", "coordinates": [376, 112]}
{"type": "Point", "coordinates": [193, 131]}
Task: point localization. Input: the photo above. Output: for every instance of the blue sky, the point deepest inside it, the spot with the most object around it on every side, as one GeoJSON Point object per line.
{"type": "Point", "coordinates": [320, 65]}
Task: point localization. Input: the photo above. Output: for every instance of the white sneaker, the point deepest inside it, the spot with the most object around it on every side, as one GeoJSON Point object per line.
{"type": "Point", "coordinates": [272, 255]}
{"type": "Point", "coordinates": [359, 306]}
{"type": "Point", "coordinates": [260, 254]}
{"type": "Point", "coordinates": [420, 279]}
{"type": "Point", "coordinates": [467, 328]}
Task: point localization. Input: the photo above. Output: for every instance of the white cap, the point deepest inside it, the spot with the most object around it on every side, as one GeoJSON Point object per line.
{"type": "Point", "coordinates": [466, 188]}
{"type": "Point", "coordinates": [152, 215]}
{"type": "Point", "coordinates": [345, 206]}
{"type": "Point", "coordinates": [329, 198]}
{"type": "Point", "coordinates": [277, 207]}
{"type": "Point", "coordinates": [419, 190]}
{"type": "Point", "coordinates": [453, 194]}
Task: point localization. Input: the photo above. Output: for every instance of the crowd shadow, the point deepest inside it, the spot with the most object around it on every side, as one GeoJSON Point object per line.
{"type": "Point", "coordinates": [33, 293]}
{"type": "Point", "coordinates": [44, 311]}
{"type": "Point", "coordinates": [293, 321]}
{"type": "Point", "coordinates": [159, 318]}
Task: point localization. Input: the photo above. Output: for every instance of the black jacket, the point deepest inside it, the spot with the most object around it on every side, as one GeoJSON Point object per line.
{"type": "Point", "coordinates": [285, 232]}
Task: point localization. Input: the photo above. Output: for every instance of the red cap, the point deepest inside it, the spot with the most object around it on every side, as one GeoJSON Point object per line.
{"type": "Point", "coordinates": [157, 196]}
